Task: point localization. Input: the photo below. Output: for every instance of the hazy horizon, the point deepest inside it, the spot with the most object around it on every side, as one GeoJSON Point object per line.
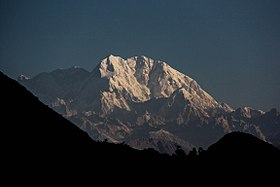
{"type": "Point", "coordinates": [231, 48]}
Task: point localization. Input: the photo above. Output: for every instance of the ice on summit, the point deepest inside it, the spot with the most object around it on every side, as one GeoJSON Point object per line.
{"type": "Point", "coordinates": [140, 78]}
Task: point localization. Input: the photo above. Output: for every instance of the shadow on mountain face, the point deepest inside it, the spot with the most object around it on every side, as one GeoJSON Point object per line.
{"type": "Point", "coordinates": [37, 138]}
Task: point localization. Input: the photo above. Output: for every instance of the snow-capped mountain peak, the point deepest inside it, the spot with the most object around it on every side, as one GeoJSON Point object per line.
{"type": "Point", "coordinates": [146, 103]}
{"type": "Point", "coordinates": [140, 78]}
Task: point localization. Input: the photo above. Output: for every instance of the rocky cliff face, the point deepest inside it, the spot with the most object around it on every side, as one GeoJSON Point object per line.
{"type": "Point", "coordinates": [146, 103]}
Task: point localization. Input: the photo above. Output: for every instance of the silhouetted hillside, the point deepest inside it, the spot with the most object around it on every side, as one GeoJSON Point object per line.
{"type": "Point", "coordinates": [242, 151]}
{"type": "Point", "coordinates": [32, 126]}
{"type": "Point", "coordinates": [35, 139]}
{"type": "Point", "coordinates": [33, 133]}
{"type": "Point", "coordinates": [237, 144]}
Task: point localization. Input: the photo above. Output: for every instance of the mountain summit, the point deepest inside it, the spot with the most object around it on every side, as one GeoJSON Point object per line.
{"type": "Point", "coordinates": [123, 83]}
{"type": "Point", "coordinates": [146, 103]}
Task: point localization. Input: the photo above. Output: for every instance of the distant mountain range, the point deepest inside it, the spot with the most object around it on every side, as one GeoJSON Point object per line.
{"type": "Point", "coordinates": [146, 104]}
{"type": "Point", "coordinates": [38, 143]}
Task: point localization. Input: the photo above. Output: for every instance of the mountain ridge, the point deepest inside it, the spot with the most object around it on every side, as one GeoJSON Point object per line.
{"type": "Point", "coordinates": [138, 96]}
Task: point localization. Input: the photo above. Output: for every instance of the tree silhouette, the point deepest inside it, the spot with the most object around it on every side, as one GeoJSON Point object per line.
{"type": "Point", "coordinates": [201, 151]}
{"type": "Point", "coordinates": [179, 152]}
{"type": "Point", "coordinates": [192, 153]}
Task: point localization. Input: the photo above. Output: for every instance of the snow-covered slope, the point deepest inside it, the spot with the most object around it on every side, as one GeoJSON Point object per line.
{"type": "Point", "coordinates": [145, 103]}
{"type": "Point", "coordinates": [121, 83]}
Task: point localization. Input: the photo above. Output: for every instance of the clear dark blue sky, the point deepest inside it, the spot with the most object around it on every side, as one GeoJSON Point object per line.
{"type": "Point", "coordinates": [231, 47]}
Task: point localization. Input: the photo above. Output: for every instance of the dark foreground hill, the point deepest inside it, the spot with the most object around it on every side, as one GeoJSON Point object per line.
{"type": "Point", "coordinates": [238, 144]}
{"type": "Point", "coordinates": [32, 132]}
{"type": "Point", "coordinates": [239, 149]}
{"type": "Point", "coordinates": [36, 139]}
